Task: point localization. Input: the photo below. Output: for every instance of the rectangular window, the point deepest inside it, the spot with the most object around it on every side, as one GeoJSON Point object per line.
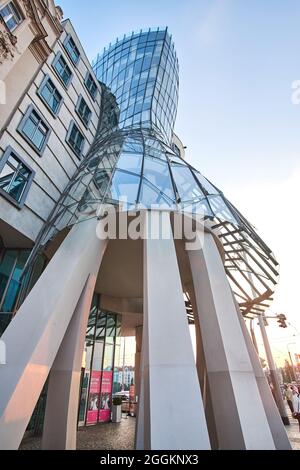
{"type": "Point", "coordinates": [83, 111]}
{"type": "Point", "coordinates": [11, 15]}
{"type": "Point", "coordinates": [72, 50]}
{"type": "Point", "coordinates": [50, 95]}
{"type": "Point", "coordinates": [91, 85]}
{"type": "Point", "coordinates": [75, 139]}
{"type": "Point", "coordinates": [62, 69]}
{"type": "Point", "coordinates": [15, 177]}
{"type": "Point", "coordinates": [34, 129]}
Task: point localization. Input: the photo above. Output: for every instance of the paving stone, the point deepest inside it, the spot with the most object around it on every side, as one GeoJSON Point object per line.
{"type": "Point", "coordinates": [108, 436]}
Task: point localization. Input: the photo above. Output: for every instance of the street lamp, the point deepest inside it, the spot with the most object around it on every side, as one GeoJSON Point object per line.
{"type": "Point", "coordinates": [291, 359]}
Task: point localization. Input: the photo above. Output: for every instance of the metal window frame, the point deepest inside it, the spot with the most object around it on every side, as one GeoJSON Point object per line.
{"type": "Point", "coordinates": [58, 56]}
{"type": "Point", "coordinates": [18, 11]}
{"type": "Point", "coordinates": [22, 123]}
{"type": "Point", "coordinates": [72, 124]}
{"type": "Point", "coordinates": [65, 43]}
{"type": "Point", "coordinates": [19, 204]}
{"type": "Point", "coordinates": [45, 80]}
{"type": "Point", "coordinates": [86, 124]}
{"type": "Point", "coordinates": [89, 74]}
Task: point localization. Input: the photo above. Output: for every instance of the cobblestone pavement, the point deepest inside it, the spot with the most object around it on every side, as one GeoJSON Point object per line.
{"type": "Point", "coordinates": [293, 431]}
{"type": "Point", "coordinates": [109, 436]}
{"type": "Point", "coordinates": [120, 436]}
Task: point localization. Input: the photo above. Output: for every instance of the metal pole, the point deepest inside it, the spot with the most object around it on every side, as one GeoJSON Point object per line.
{"type": "Point", "coordinates": [124, 363]}
{"type": "Point", "coordinates": [273, 373]}
{"type": "Point", "coordinates": [253, 336]}
{"type": "Point", "coordinates": [292, 364]}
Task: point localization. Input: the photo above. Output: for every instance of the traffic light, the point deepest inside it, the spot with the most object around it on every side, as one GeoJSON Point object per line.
{"type": "Point", "coordinates": [281, 320]}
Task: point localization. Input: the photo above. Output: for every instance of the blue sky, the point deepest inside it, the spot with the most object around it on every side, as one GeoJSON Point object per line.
{"type": "Point", "coordinates": [238, 60]}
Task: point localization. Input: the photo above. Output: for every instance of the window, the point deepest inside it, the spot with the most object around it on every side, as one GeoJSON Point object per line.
{"type": "Point", "coordinates": [50, 95]}
{"type": "Point", "coordinates": [11, 16]}
{"type": "Point", "coordinates": [34, 129]}
{"type": "Point", "coordinates": [91, 85]}
{"type": "Point", "coordinates": [75, 139]}
{"type": "Point", "coordinates": [15, 177]}
{"type": "Point", "coordinates": [83, 111]}
{"type": "Point", "coordinates": [62, 69]}
{"type": "Point", "coordinates": [72, 49]}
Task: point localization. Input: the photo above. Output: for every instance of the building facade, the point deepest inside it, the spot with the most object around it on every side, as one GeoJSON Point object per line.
{"type": "Point", "coordinates": [129, 162]}
{"type": "Point", "coordinates": [48, 131]}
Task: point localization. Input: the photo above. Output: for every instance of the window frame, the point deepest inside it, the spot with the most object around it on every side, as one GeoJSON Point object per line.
{"type": "Point", "coordinates": [17, 10]}
{"type": "Point", "coordinates": [25, 137]}
{"type": "Point", "coordinates": [5, 157]}
{"type": "Point", "coordinates": [80, 98]}
{"type": "Point", "coordinates": [65, 43]}
{"type": "Point", "coordinates": [72, 124]}
{"type": "Point", "coordinates": [58, 55]}
{"type": "Point", "coordinates": [89, 74]}
{"type": "Point", "coordinates": [47, 78]}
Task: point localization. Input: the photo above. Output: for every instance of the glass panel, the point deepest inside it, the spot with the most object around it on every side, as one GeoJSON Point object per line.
{"type": "Point", "coordinates": [150, 195]}
{"type": "Point", "coordinates": [206, 184]}
{"type": "Point", "coordinates": [55, 101]}
{"type": "Point", "coordinates": [90, 332]}
{"type": "Point", "coordinates": [108, 356]}
{"type": "Point", "coordinates": [201, 208]}
{"type": "Point", "coordinates": [220, 209]}
{"type": "Point", "coordinates": [51, 96]}
{"type": "Point", "coordinates": [111, 326]}
{"type": "Point", "coordinates": [6, 176]}
{"type": "Point", "coordinates": [100, 327]}
{"type": "Point", "coordinates": [14, 286]}
{"type": "Point", "coordinates": [125, 185]}
{"type": "Point", "coordinates": [76, 139]}
{"type": "Point", "coordinates": [63, 70]}
{"type": "Point", "coordinates": [66, 75]}
{"type": "Point", "coordinates": [11, 16]}
{"type": "Point", "coordinates": [131, 162]}
{"type": "Point", "coordinates": [186, 184]}
{"type": "Point", "coordinates": [157, 172]}
{"type": "Point", "coordinates": [47, 92]}
{"type": "Point", "coordinates": [98, 353]}
{"type": "Point", "coordinates": [29, 127]}
{"type": "Point", "coordinates": [39, 138]}
{"type": "Point", "coordinates": [6, 266]}
{"type": "Point", "coordinates": [72, 50]}
{"type": "Point", "coordinates": [17, 187]}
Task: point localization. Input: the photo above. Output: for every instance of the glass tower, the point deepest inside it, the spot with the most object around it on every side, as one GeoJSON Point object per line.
{"type": "Point", "coordinates": [141, 71]}
{"type": "Point", "coordinates": [133, 158]}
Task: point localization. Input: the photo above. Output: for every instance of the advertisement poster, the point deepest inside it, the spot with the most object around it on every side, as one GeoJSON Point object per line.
{"type": "Point", "coordinates": [105, 397]}
{"type": "Point", "coordinates": [93, 402]}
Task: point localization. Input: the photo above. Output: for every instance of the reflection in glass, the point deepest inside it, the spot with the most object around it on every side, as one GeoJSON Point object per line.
{"type": "Point", "coordinates": [125, 185]}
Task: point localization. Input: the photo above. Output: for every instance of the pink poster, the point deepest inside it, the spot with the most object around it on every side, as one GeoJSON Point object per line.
{"type": "Point", "coordinates": [93, 402]}
{"type": "Point", "coordinates": [105, 397]}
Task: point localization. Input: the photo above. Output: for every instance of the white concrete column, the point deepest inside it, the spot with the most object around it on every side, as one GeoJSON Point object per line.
{"type": "Point", "coordinates": [240, 417]}
{"type": "Point", "coordinates": [277, 428]}
{"type": "Point", "coordinates": [34, 336]}
{"type": "Point", "coordinates": [173, 416]}
{"type": "Point", "coordinates": [60, 424]}
{"type": "Point", "coordinates": [202, 374]}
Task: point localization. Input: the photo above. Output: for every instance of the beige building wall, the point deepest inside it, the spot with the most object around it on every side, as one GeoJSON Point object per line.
{"type": "Point", "coordinates": [29, 45]}
{"type": "Point", "coordinates": [58, 162]}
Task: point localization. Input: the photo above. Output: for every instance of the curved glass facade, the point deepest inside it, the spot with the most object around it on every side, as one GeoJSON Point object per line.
{"type": "Point", "coordinates": [141, 71]}
{"type": "Point", "coordinates": [132, 157]}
